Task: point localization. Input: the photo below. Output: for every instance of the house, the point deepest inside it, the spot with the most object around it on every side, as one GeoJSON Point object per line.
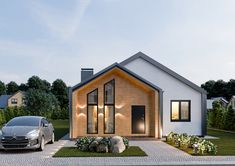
{"type": "Point", "coordinates": [138, 97]}
{"type": "Point", "coordinates": [232, 102]}
{"type": "Point", "coordinates": [17, 99]}
{"type": "Point", "coordinates": [224, 103]}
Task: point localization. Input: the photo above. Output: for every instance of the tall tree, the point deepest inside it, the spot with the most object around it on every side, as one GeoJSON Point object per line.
{"type": "Point", "coordinates": [23, 87]}
{"type": "Point", "coordinates": [231, 88]}
{"type": "Point", "coordinates": [208, 86]}
{"type": "Point", "coordinates": [12, 87]}
{"type": "Point", "coordinates": [2, 88]}
{"type": "Point", "coordinates": [41, 103]}
{"type": "Point", "coordinates": [59, 89]}
{"type": "Point", "coordinates": [229, 119]}
{"type": "Point", "coordinates": [35, 82]}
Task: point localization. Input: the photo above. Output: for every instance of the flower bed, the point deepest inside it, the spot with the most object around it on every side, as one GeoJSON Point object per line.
{"type": "Point", "coordinates": [191, 144]}
{"type": "Point", "coordinates": [114, 144]}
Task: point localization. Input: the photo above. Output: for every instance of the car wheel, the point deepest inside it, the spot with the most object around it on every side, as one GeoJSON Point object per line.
{"type": "Point", "coordinates": [42, 144]}
{"type": "Point", "coordinates": [52, 138]}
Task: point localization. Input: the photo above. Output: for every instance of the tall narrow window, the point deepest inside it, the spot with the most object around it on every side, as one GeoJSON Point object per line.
{"type": "Point", "coordinates": [92, 112]}
{"type": "Point", "coordinates": [109, 109]}
{"type": "Point", "coordinates": [180, 110]}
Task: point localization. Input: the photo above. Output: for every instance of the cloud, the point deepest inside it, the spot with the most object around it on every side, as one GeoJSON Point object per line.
{"type": "Point", "coordinates": [61, 24]}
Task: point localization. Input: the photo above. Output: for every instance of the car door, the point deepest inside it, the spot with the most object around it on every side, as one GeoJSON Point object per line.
{"type": "Point", "coordinates": [46, 130]}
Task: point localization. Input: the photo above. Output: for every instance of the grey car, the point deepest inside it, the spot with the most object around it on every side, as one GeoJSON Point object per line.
{"type": "Point", "coordinates": [26, 132]}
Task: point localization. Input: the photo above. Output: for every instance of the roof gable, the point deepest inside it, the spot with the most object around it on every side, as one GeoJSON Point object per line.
{"type": "Point", "coordinates": [163, 68]}
{"type": "Point", "coordinates": [115, 65]}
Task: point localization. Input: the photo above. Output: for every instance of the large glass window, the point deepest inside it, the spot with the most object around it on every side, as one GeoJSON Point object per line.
{"type": "Point", "coordinates": [109, 109]}
{"type": "Point", "coordinates": [180, 110]}
{"type": "Point", "coordinates": [92, 112]}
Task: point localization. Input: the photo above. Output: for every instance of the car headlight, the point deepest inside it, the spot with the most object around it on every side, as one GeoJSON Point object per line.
{"type": "Point", "coordinates": [33, 134]}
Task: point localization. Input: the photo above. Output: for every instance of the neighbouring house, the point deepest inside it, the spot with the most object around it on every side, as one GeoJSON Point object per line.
{"type": "Point", "coordinates": [224, 103]}
{"type": "Point", "coordinates": [138, 97]}
{"type": "Point", "coordinates": [17, 99]}
{"type": "Point", "coordinates": [232, 102]}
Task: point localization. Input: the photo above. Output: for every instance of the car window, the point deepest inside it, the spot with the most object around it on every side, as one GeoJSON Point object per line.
{"type": "Point", "coordinates": [43, 122]}
{"type": "Point", "coordinates": [23, 121]}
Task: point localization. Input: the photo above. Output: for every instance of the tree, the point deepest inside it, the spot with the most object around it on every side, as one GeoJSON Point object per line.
{"type": "Point", "coordinates": [217, 115]}
{"type": "Point", "coordinates": [23, 87]}
{"type": "Point", "coordinates": [2, 88]}
{"type": "Point", "coordinates": [41, 103]}
{"type": "Point", "coordinates": [59, 89]}
{"type": "Point", "coordinates": [35, 82]}
{"type": "Point", "coordinates": [231, 88]}
{"type": "Point", "coordinates": [229, 119]}
{"type": "Point", "coordinates": [208, 86]}
{"type": "Point", "coordinates": [12, 87]}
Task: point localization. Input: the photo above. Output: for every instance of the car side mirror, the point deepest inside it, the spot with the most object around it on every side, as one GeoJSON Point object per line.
{"type": "Point", "coordinates": [4, 125]}
{"type": "Point", "coordinates": [45, 125]}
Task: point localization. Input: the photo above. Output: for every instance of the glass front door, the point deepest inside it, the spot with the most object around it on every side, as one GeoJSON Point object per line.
{"type": "Point", "coordinates": [138, 119]}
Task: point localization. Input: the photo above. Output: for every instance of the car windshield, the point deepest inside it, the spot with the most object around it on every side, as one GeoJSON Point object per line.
{"type": "Point", "coordinates": [24, 121]}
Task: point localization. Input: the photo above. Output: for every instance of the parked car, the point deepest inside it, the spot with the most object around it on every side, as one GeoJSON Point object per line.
{"type": "Point", "coordinates": [27, 132]}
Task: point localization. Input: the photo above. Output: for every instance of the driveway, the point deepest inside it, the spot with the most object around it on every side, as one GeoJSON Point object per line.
{"type": "Point", "coordinates": [158, 152]}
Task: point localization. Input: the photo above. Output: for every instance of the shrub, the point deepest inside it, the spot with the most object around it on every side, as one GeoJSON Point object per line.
{"type": "Point", "coordinates": [92, 144]}
{"type": "Point", "coordinates": [126, 142]}
{"type": "Point", "coordinates": [84, 142]}
{"type": "Point", "coordinates": [199, 145]}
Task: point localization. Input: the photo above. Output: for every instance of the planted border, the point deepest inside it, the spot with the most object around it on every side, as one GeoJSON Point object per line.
{"type": "Point", "coordinates": [193, 145]}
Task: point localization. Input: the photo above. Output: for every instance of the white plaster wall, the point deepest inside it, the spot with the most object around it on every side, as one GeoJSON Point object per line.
{"type": "Point", "coordinates": [173, 90]}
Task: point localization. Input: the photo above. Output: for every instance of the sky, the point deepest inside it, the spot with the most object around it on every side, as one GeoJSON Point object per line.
{"type": "Point", "coordinates": [55, 39]}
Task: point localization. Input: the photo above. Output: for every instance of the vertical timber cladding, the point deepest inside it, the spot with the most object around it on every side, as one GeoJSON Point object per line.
{"type": "Point", "coordinates": [128, 92]}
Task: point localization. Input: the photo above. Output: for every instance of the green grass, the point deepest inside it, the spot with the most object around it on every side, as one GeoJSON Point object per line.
{"type": "Point", "coordinates": [74, 152]}
{"type": "Point", "coordinates": [61, 128]}
{"type": "Point", "coordinates": [225, 143]}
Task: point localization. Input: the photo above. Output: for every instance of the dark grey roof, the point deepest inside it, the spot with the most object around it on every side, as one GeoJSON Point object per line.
{"type": "Point", "coordinates": [4, 100]}
{"type": "Point", "coordinates": [163, 68]}
{"type": "Point", "coordinates": [115, 65]}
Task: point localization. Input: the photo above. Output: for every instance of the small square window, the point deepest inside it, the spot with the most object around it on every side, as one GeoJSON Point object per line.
{"type": "Point", "coordinates": [13, 101]}
{"type": "Point", "coordinates": [180, 110]}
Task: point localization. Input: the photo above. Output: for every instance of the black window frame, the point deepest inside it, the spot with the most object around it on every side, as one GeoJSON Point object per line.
{"type": "Point", "coordinates": [97, 110]}
{"type": "Point", "coordinates": [108, 104]}
{"type": "Point", "coordinates": [14, 101]}
{"type": "Point", "coordinates": [180, 119]}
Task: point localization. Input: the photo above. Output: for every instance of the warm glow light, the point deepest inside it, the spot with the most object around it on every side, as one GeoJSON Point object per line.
{"type": "Point", "coordinates": [81, 115]}
{"type": "Point", "coordinates": [119, 115]}
{"type": "Point", "coordinates": [81, 106]}
{"type": "Point", "coordinates": [141, 126]}
{"type": "Point", "coordinates": [119, 106]}
{"type": "Point", "coordinates": [101, 114]}
{"type": "Point", "coordinates": [100, 106]}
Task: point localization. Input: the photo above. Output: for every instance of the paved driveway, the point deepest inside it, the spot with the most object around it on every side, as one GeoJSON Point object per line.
{"type": "Point", "coordinates": [158, 152]}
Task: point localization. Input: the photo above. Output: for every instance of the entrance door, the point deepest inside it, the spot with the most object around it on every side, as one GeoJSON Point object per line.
{"type": "Point", "coordinates": [138, 119]}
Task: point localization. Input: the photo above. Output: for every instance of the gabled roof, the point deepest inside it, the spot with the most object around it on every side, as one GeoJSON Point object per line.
{"type": "Point", "coordinates": [4, 100]}
{"type": "Point", "coordinates": [163, 68]}
{"type": "Point", "coordinates": [115, 65]}
{"type": "Point", "coordinates": [220, 99]}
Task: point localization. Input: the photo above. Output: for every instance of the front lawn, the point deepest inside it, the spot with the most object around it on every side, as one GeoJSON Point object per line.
{"type": "Point", "coordinates": [61, 128]}
{"type": "Point", "coordinates": [225, 143]}
{"type": "Point", "coordinates": [74, 152]}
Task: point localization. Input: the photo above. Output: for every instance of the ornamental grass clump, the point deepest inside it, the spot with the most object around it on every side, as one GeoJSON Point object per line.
{"type": "Point", "coordinates": [184, 141]}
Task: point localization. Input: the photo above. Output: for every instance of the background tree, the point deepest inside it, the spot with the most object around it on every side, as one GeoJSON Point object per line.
{"type": "Point", "coordinates": [59, 89]}
{"type": "Point", "coordinates": [2, 88]}
{"type": "Point", "coordinates": [208, 86]}
{"type": "Point", "coordinates": [41, 103]}
{"type": "Point", "coordinates": [229, 119]}
{"type": "Point", "coordinates": [12, 88]}
{"type": "Point", "coordinates": [23, 87]}
{"type": "Point", "coordinates": [35, 82]}
{"type": "Point", "coordinates": [220, 88]}
{"type": "Point", "coordinates": [217, 115]}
